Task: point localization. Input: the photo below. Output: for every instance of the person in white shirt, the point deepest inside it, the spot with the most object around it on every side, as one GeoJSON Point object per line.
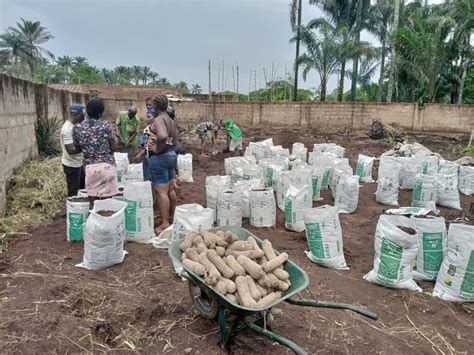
{"type": "Point", "coordinates": [72, 162]}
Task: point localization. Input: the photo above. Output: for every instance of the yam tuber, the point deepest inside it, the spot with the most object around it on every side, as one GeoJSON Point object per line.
{"type": "Point", "coordinates": [264, 282]}
{"type": "Point", "coordinates": [210, 239]}
{"type": "Point", "coordinates": [188, 241]}
{"type": "Point", "coordinates": [221, 286]}
{"type": "Point", "coordinates": [276, 262]}
{"type": "Point", "coordinates": [195, 267]}
{"type": "Point", "coordinates": [221, 241]}
{"type": "Point", "coordinates": [192, 253]}
{"type": "Point", "coordinates": [254, 243]}
{"type": "Point", "coordinates": [274, 281]}
{"type": "Point", "coordinates": [230, 285]}
{"type": "Point", "coordinates": [198, 239]}
{"type": "Point", "coordinates": [220, 251]}
{"type": "Point", "coordinates": [230, 237]}
{"type": "Point", "coordinates": [254, 292]}
{"type": "Point", "coordinates": [244, 292]}
{"type": "Point", "coordinates": [183, 256]}
{"type": "Point", "coordinates": [268, 250]}
{"type": "Point", "coordinates": [232, 298]}
{"type": "Point", "coordinates": [283, 286]}
{"type": "Point", "coordinates": [252, 268]}
{"type": "Point", "coordinates": [281, 274]}
{"type": "Point", "coordinates": [252, 254]}
{"type": "Point", "coordinates": [241, 245]}
{"type": "Point", "coordinates": [201, 248]}
{"type": "Point", "coordinates": [220, 234]}
{"type": "Point", "coordinates": [268, 299]}
{"type": "Point", "coordinates": [212, 275]}
{"type": "Point", "coordinates": [234, 265]}
{"type": "Point", "coordinates": [220, 264]}
{"type": "Point", "coordinates": [262, 290]}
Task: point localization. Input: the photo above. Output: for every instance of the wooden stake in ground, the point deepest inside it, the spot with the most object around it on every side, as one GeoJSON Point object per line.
{"type": "Point", "coordinates": [250, 83]}
{"type": "Point", "coordinates": [233, 82]}
{"type": "Point", "coordinates": [237, 68]}
{"type": "Point", "coordinates": [210, 92]}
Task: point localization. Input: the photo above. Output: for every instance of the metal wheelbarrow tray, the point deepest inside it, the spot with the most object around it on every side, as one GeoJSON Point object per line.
{"type": "Point", "coordinates": [211, 303]}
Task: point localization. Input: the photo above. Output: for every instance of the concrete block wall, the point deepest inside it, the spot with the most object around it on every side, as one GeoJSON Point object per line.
{"type": "Point", "coordinates": [18, 116]}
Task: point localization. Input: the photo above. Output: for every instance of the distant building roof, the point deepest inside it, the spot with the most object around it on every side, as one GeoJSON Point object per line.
{"type": "Point", "coordinates": [118, 91]}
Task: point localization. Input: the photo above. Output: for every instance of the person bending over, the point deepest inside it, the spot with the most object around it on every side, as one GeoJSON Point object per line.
{"type": "Point", "coordinates": [128, 127]}
{"type": "Point", "coordinates": [207, 133]}
{"type": "Point", "coordinates": [234, 137]}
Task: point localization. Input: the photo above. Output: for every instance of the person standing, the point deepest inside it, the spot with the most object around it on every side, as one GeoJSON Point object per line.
{"type": "Point", "coordinates": [234, 134]}
{"type": "Point", "coordinates": [95, 139]}
{"type": "Point", "coordinates": [160, 166]}
{"type": "Point", "coordinates": [128, 127]}
{"type": "Point", "coordinates": [72, 163]}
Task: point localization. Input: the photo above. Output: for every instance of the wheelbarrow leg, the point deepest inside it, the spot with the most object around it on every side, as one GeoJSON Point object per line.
{"type": "Point", "coordinates": [311, 303]}
{"type": "Point", "coordinates": [226, 335]}
{"type": "Point", "coordinates": [278, 338]}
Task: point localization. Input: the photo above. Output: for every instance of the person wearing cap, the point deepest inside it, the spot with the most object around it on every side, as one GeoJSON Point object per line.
{"type": "Point", "coordinates": [128, 127]}
{"type": "Point", "coordinates": [72, 162]}
{"type": "Point", "coordinates": [95, 139]}
{"type": "Point", "coordinates": [234, 136]}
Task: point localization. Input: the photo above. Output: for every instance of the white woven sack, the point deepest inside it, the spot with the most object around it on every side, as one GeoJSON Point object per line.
{"type": "Point", "coordinates": [215, 184]}
{"type": "Point", "coordinates": [324, 236]}
{"type": "Point", "coordinates": [430, 165]}
{"type": "Point", "coordinates": [245, 186]}
{"type": "Point", "coordinates": [300, 151]}
{"type": "Point", "coordinates": [410, 166]}
{"type": "Point", "coordinates": [235, 165]}
{"type": "Point", "coordinates": [185, 167]}
{"type": "Point", "coordinates": [77, 213]}
{"type": "Point", "coordinates": [322, 147]}
{"type": "Point", "coordinates": [326, 162]}
{"type": "Point", "coordinates": [279, 151]}
{"type": "Point", "coordinates": [297, 201]}
{"type": "Point", "coordinates": [341, 169]}
{"type": "Point", "coordinates": [191, 217]}
{"type": "Point", "coordinates": [229, 208]}
{"type": "Point", "coordinates": [139, 191]}
{"type": "Point", "coordinates": [448, 167]}
{"type": "Point", "coordinates": [395, 253]}
{"type": "Point", "coordinates": [387, 184]}
{"type": "Point", "coordinates": [317, 177]}
{"type": "Point", "coordinates": [262, 208]}
{"type": "Point", "coordinates": [447, 193]}
{"type": "Point", "coordinates": [432, 236]}
{"type": "Point", "coordinates": [455, 281]}
{"type": "Point", "coordinates": [347, 194]}
{"type": "Point", "coordinates": [364, 168]}
{"type": "Point", "coordinates": [252, 171]}
{"type": "Point", "coordinates": [121, 162]}
{"type": "Point", "coordinates": [337, 150]}
{"type": "Point", "coordinates": [104, 236]}
{"type": "Point", "coordinates": [135, 172]}
{"type": "Point", "coordinates": [466, 180]}
{"type": "Point", "coordinates": [424, 192]}
{"type": "Point", "coordinates": [139, 224]}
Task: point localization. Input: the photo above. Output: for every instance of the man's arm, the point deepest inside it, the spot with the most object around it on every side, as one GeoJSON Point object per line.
{"type": "Point", "coordinates": [72, 149]}
{"type": "Point", "coordinates": [70, 143]}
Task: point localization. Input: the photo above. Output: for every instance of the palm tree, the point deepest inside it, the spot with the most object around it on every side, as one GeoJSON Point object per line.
{"type": "Point", "coordinates": [196, 89]}
{"type": "Point", "coordinates": [360, 24]}
{"type": "Point", "coordinates": [145, 74]}
{"type": "Point", "coordinates": [295, 21]}
{"type": "Point", "coordinates": [136, 73]}
{"type": "Point", "coordinates": [12, 47]}
{"type": "Point", "coordinates": [393, 65]}
{"type": "Point", "coordinates": [153, 76]}
{"type": "Point", "coordinates": [33, 34]}
{"type": "Point", "coordinates": [163, 82]}
{"type": "Point", "coordinates": [322, 53]}
{"type": "Point", "coordinates": [123, 74]}
{"type": "Point", "coordinates": [80, 60]}
{"type": "Point", "coordinates": [378, 21]}
{"type": "Point", "coordinates": [66, 63]}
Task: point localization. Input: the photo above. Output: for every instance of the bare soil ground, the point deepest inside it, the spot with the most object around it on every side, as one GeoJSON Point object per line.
{"type": "Point", "coordinates": [47, 305]}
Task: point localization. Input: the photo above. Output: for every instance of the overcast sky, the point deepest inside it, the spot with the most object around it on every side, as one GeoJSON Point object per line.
{"type": "Point", "coordinates": [174, 37]}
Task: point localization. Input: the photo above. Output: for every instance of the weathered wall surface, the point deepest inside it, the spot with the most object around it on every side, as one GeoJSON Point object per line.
{"type": "Point", "coordinates": [17, 128]}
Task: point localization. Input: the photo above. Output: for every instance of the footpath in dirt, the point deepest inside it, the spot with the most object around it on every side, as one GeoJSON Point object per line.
{"type": "Point", "coordinates": [47, 305]}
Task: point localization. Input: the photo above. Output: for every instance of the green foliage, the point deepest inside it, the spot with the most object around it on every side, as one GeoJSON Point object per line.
{"type": "Point", "coordinates": [47, 136]}
{"type": "Point", "coordinates": [390, 139]}
{"type": "Point", "coordinates": [469, 150]}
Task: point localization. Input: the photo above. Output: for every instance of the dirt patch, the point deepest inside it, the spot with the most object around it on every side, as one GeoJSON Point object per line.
{"type": "Point", "coordinates": [78, 199]}
{"type": "Point", "coordinates": [407, 230]}
{"type": "Point", "coordinates": [105, 213]}
{"type": "Point", "coordinates": [48, 305]}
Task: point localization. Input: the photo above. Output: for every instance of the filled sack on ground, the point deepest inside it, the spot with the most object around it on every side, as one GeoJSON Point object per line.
{"type": "Point", "coordinates": [278, 151]}
{"type": "Point", "coordinates": [322, 147]}
{"type": "Point", "coordinates": [121, 162]}
{"type": "Point", "coordinates": [341, 168]}
{"type": "Point", "coordinates": [235, 165]}
{"type": "Point", "coordinates": [229, 208]}
{"type": "Point", "coordinates": [104, 235]}
{"type": "Point", "coordinates": [245, 186]}
{"type": "Point", "coordinates": [134, 172]}
{"type": "Point", "coordinates": [431, 233]}
{"type": "Point", "coordinates": [466, 180]}
{"type": "Point", "coordinates": [424, 191]}
{"type": "Point", "coordinates": [77, 210]}
{"type": "Point", "coordinates": [455, 281]}
{"type": "Point", "coordinates": [297, 201]}
{"type": "Point", "coordinates": [252, 171]}
{"type": "Point", "coordinates": [300, 151]}
{"type": "Point", "coordinates": [448, 167]}
{"type": "Point", "coordinates": [191, 217]}
{"type": "Point", "coordinates": [295, 162]}
{"type": "Point", "coordinates": [347, 194]}
{"type": "Point", "coordinates": [337, 150]}
{"type": "Point", "coordinates": [139, 224]}
{"type": "Point", "coordinates": [215, 184]}
{"type": "Point", "coordinates": [410, 166]}
{"type": "Point", "coordinates": [447, 193]}
{"type": "Point", "coordinates": [298, 177]}
{"type": "Point", "coordinates": [258, 151]}
{"type": "Point", "coordinates": [317, 177]}
{"type": "Point", "coordinates": [430, 165]}
{"type": "Point", "coordinates": [387, 184]}
{"type": "Point", "coordinates": [396, 248]}
{"type": "Point", "coordinates": [324, 235]}
{"type": "Point", "coordinates": [364, 168]}
{"type": "Point", "coordinates": [185, 167]}
{"type": "Point", "coordinates": [262, 208]}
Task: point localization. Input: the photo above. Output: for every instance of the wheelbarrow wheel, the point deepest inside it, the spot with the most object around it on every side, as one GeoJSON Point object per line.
{"type": "Point", "coordinates": [206, 304]}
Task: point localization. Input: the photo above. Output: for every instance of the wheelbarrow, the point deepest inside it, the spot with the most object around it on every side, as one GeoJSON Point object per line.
{"type": "Point", "coordinates": [210, 303]}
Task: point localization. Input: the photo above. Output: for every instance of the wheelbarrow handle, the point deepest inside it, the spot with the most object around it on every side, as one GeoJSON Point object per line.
{"type": "Point", "coordinates": [311, 303]}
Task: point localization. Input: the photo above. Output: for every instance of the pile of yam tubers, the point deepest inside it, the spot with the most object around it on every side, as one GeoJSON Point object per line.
{"type": "Point", "coordinates": [246, 274]}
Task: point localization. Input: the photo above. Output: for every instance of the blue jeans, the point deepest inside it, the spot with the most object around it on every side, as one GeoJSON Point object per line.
{"type": "Point", "coordinates": [160, 169]}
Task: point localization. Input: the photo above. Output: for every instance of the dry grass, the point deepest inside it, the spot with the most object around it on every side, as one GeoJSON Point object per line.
{"type": "Point", "coordinates": [36, 192]}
